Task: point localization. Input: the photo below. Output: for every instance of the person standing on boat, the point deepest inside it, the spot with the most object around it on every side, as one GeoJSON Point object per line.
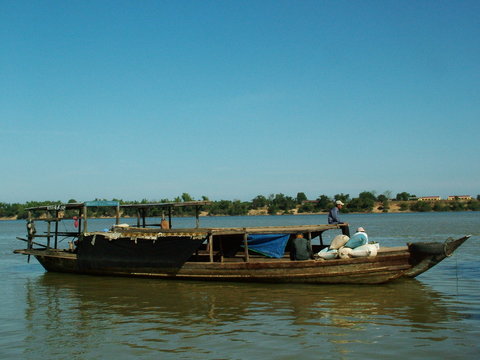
{"type": "Point", "coordinates": [334, 218]}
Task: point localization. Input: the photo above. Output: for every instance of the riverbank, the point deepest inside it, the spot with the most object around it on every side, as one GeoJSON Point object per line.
{"type": "Point", "coordinates": [257, 212]}
{"type": "Point", "coordinates": [394, 207]}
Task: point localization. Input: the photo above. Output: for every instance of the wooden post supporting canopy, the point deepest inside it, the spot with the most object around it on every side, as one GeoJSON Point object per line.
{"type": "Point", "coordinates": [117, 214]}
{"type": "Point", "coordinates": [197, 223]}
{"type": "Point", "coordinates": [210, 247]}
{"type": "Point", "coordinates": [245, 245]}
{"type": "Point", "coordinates": [56, 228]}
{"type": "Point", "coordinates": [79, 221]}
{"type": "Point", "coordinates": [49, 234]}
{"type": "Point", "coordinates": [30, 231]}
{"type": "Point", "coordinates": [85, 215]}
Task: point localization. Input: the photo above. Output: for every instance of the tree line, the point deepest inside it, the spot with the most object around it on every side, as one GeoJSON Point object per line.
{"type": "Point", "coordinates": [273, 204]}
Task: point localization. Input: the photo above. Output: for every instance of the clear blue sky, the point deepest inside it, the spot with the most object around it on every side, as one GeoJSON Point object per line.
{"type": "Point", "coordinates": [231, 99]}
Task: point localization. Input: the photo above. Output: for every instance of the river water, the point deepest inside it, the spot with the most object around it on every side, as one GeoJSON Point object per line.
{"type": "Point", "coordinates": [60, 316]}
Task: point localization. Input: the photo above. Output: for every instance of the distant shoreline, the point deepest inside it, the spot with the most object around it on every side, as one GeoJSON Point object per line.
{"type": "Point", "coordinates": [394, 208]}
{"type": "Point", "coordinates": [256, 214]}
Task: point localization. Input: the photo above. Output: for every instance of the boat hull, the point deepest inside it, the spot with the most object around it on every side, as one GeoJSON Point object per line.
{"type": "Point", "coordinates": [98, 252]}
{"type": "Point", "coordinates": [347, 271]}
{"type": "Point", "coordinates": [427, 255]}
{"type": "Point", "coordinates": [388, 265]}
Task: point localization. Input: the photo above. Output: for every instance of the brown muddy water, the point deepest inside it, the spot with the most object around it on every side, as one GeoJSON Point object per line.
{"type": "Point", "coordinates": [60, 316]}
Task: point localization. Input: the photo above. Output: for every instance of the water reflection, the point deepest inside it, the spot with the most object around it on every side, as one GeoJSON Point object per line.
{"type": "Point", "coordinates": [173, 316]}
{"type": "Point", "coordinates": [59, 316]}
{"type": "Point", "coordinates": [91, 299]}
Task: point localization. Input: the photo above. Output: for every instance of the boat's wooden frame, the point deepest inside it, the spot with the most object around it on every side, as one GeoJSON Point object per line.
{"type": "Point", "coordinates": [154, 252]}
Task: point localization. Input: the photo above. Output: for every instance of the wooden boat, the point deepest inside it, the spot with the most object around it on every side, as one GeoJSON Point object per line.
{"type": "Point", "coordinates": [225, 254]}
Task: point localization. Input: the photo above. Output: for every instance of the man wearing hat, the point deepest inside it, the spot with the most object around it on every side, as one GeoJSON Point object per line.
{"type": "Point", "coordinates": [333, 217]}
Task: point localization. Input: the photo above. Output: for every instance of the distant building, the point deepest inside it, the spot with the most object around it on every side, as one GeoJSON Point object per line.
{"type": "Point", "coordinates": [459, 197]}
{"type": "Point", "coordinates": [429, 198]}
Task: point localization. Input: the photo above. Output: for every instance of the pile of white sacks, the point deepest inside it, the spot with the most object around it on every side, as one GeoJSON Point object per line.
{"type": "Point", "coordinates": [344, 247]}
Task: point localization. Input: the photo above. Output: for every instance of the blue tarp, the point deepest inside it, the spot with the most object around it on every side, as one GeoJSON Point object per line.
{"type": "Point", "coordinates": [101, 203]}
{"type": "Point", "coordinates": [271, 245]}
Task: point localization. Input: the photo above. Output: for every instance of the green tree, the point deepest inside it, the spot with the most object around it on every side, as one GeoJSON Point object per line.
{"type": "Point", "coordinates": [440, 206]}
{"type": "Point", "coordinates": [301, 197]}
{"type": "Point", "coordinates": [364, 202]}
{"type": "Point", "coordinates": [403, 196]}
{"type": "Point", "coordinates": [456, 206]}
{"type": "Point", "coordinates": [282, 202]}
{"type": "Point", "coordinates": [272, 209]}
{"type": "Point", "coordinates": [473, 205]}
{"type": "Point", "coordinates": [186, 197]}
{"type": "Point", "coordinates": [381, 198]}
{"type": "Point", "coordinates": [259, 201]}
{"type": "Point", "coordinates": [306, 207]}
{"type": "Point", "coordinates": [367, 196]}
{"type": "Point", "coordinates": [404, 206]}
{"type": "Point", "coordinates": [219, 207]}
{"type": "Point", "coordinates": [342, 197]}
{"type": "Point", "coordinates": [238, 208]}
{"type": "Point", "coordinates": [323, 203]}
{"type": "Point", "coordinates": [421, 206]}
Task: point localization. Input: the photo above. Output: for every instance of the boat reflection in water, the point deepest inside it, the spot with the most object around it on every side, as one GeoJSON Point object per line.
{"type": "Point", "coordinates": [111, 316]}
{"type": "Point", "coordinates": [87, 299]}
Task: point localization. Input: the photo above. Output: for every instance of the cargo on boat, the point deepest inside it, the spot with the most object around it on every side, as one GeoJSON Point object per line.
{"type": "Point", "coordinates": [260, 254]}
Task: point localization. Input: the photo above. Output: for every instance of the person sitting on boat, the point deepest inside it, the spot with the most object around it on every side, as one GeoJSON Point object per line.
{"type": "Point", "coordinates": [333, 217]}
{"type": "Point", "coordinates": [358, 239]}
{"type": "Point", "coordinates": [164, 224]}
{"type": "Point", "coordinates": [302, 248]}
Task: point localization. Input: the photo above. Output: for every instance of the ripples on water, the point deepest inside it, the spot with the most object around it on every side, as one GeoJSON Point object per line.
{"type": "Point", "coordinates": [58, 316]}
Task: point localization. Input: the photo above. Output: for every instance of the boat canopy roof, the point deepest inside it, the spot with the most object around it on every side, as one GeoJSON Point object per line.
{"type": "Point", "coordinates": [113, 203]}
{"type": "Point", "coordinates": [167, 204]}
